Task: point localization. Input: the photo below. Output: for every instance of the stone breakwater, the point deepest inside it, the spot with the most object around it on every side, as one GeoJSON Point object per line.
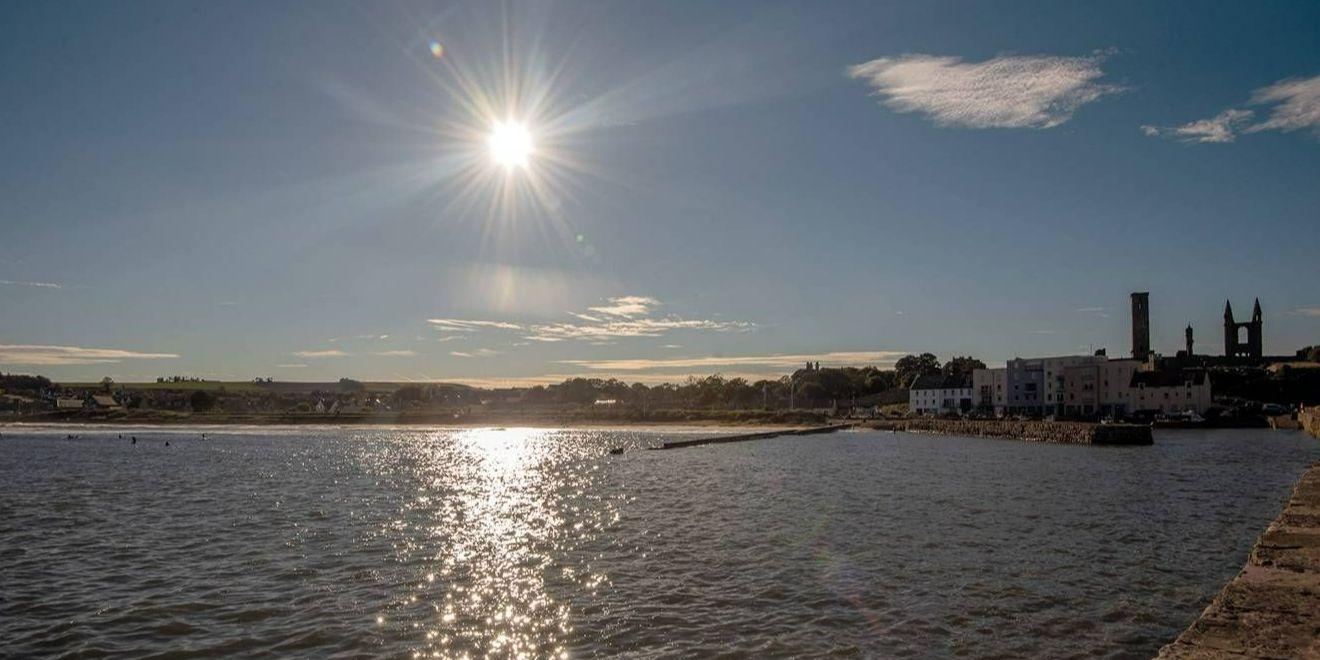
{"type": "Point", "coordinates": [1272, 608]}
{"type": "Point", "coordinates": [1067, 433]}
{"type": "Point", "coordinates": [748, 437]}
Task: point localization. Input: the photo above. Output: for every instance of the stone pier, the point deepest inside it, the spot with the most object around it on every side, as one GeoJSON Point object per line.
{"type": "Point", "coordinates": [1068, 433]}
{"type": "Point", "coordinates": [748, 437]}
{"type": "Point", "coordinates": [1309, 418]}
{"type": "Point", "coordinates": [1272, 608]}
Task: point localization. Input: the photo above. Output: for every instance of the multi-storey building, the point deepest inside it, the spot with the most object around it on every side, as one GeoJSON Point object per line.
{"type": "Point", "coordinates": [1088, 386]}
{"type": "Point", "coordinates": [989, 395]}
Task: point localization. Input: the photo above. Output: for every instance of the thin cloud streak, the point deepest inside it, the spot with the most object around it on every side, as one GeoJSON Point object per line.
{"type": "Point", "coordinates": [1306, 311]}
{"type": "Point", "coordinates": [32, 354]}
{"type": "Point", "coordinates": [1035, 91]}
{"type": "Point", "coordinates": [480, 352]}
{"type": "Point", "coordinates": [334, 352]}
{"type": "Point", "coordinates": [465, 325]}
{"type": "Point", "coordinates": [40, 285]}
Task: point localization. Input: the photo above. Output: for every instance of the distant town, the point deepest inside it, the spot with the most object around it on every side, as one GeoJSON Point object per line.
{"type": "Point", "coordinates": [1240, 387]}
{"type": "Point", "coordinates": [1144, 385]}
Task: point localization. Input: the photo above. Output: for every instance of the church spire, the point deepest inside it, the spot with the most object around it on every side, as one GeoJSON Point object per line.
{"type": "Point", "coordinates": [1228, 311]}
{"type": "Point", "coordinates": [1255, 312]}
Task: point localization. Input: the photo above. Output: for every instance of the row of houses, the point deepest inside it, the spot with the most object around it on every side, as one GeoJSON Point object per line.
{"type": "Point", "coordinates": [1066, 386]}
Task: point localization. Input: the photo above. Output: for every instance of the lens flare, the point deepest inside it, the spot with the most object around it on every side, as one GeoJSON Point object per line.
{"type": "Point", "coordinates": [437, 51]}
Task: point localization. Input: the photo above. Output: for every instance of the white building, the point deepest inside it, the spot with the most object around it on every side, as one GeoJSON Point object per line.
{"type": "Point", "coordinates": [937, 395]}
{"type": "Point", "coordinates": [1170, 391]}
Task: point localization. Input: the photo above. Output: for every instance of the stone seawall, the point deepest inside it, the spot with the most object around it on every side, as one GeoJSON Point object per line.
{"type": "Point", "coordinates": [1309, 418]}
{"type": "Point", "coordinates": [1068, 433]}
{"type": "Point", "coordinates": [1272, 608]}
{"type": "Point", "coordinates": [748, 437]}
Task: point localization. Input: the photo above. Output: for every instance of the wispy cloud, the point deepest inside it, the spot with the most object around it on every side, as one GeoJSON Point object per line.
{"type": "Point", "coordinates": [628, 306]}
{"type": "Point", "coordinates": [40, 285]}
{"type": "Point", "coordinates": [480, 352]}
{"type": "Point", "coordinates": [623, 316]}
{"type": "Point", "coordinates": [1102, 312]}
{"type": "Point", "coordinates": [1223, 127]}
{"type": "Point", "coordinates": [1305, 311]}
{"type": "Point", "coordinates": [395, 353]}
{"type": "Point", "coordinates": [295, 365]}
{"type": "Point", "coordinates": [1030, 91]}
{"type": "Point", "coordinates": [63, 355]}
{"type": "Point", "coordinates": [779, 361]}
{"type": "Point", "coordinates": [369, 337]}
{"type": "Point", "coordinates": [1296, 106]}
{"type": "Point", "coordinates": [466, 325]}
{"type": "Point", "coordinates": [553, 332]}
{"type": "Point", "coordinates": [333, 352]}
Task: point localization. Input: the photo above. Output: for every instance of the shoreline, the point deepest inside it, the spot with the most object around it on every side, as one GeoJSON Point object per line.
{"type": "Point", "coordinates": [679, 426]}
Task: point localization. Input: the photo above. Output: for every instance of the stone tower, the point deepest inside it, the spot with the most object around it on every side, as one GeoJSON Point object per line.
{"type": "Point", "coordinates": [1253, 347]}
{"type": "Point", "coordinates": [1140, 325]}
{"type": "Point", "coordinates": [1188, 334]}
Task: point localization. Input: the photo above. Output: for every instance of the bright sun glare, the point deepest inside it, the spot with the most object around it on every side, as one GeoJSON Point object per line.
{"type": "Point", "coordinates": [510, 144]}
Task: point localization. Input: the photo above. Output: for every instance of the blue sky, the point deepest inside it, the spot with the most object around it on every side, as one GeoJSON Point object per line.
{"type": "Point", "coordinates": [302, 190]}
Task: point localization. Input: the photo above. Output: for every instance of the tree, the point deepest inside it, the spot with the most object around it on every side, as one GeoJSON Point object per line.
{"type": "Point", "coordinates": [909, 367]}
{"type": "Point", "coordinates": [962, 367]}
{"type": "Point", "coordinates": [350, 385]}
{"type": "Point", "coordinates": [107, 383]}
{"type": "Point", "coordinates": [20, 383]}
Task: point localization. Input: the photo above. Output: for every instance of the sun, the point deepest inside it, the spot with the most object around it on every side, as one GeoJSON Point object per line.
{"type": "Point", "coordinates": [510, 144]}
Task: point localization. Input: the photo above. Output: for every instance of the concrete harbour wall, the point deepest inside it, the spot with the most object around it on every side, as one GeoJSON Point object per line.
{"type": "Point", "coordinates": [1272, 608]}
{"type": "Point", "coordinates": [1068, 433]}
{"type": "Point", "coordinates": [1309, 418]}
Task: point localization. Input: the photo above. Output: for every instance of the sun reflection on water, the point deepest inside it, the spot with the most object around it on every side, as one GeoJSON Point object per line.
{"type": "Point", "coordinates": [490, 532]}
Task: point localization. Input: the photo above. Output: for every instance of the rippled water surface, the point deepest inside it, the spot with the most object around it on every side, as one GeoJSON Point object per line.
{"type": "Point", "coordinates": [507, 542]}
